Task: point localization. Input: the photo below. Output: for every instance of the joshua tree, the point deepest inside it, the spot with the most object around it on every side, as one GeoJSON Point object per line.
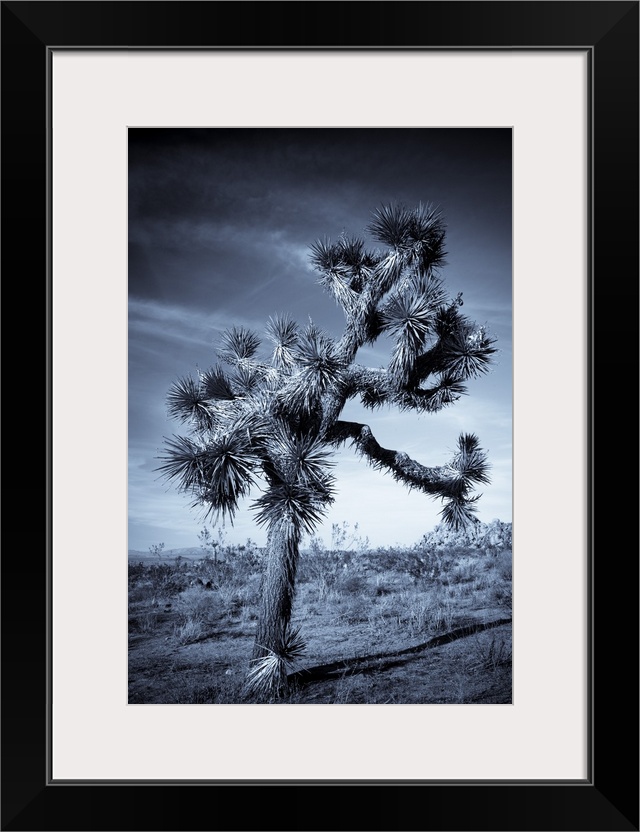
{"type": "Point", "coordinates": [276, 419]}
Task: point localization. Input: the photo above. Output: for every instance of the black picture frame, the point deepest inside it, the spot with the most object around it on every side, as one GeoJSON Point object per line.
{"type": "Point", "coordinates": [608, 798]}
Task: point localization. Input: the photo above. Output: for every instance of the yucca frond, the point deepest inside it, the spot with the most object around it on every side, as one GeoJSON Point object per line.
{"type": "Point", "coordinates": [470, 464]}
{"type": "Point", "coordinates": [238, 344]}
{"type": "Point", "coordinates": [409, 314]}
{"type": "Point", "coordinates": [228, 464]}
{"type": "Point", "coordinates": [373, 397]}
{"type": "Point", "coordinates": [388, 271]}
{"type": "Point", "coordinates": [246, 380]}
{"type": "Point", "coordinates": [325, 256]}
{"type": "Point", "coordinates": [346, 259]}
{"type": "Point", "coordinates": [254, 420]}
{"type": "Point", "coordinates": [391, 225]}
{"type": "Point", "coordinates": [447, 320]}
{"type": "Point", "coordinates": [215, 384]}
{"type": "Point", "coordinates": [468, 352]}
{"type": "Point", "coordinates": [338, 284]}
{"type": "Point", "coordinates": [282, 331]}
{"type": "Point", "coordinates": [459, 512]}
{"type": "Point", "coordinates": [267, 676]}
{"type": "Point", "coordinates": [426, 236]}
{"type": "Point", "coordinates": [305, 504]}
{"type": "Point", "coordinates": [358, 263]}
{"type": "Point", "coordinates": [319, 368]}
{"type": "Point", "coordinates": [299, 458]}
{"type": "Point", "coordinates": [426, 221]}
{"type": "Point", "coordinates": [408, 317]}
{"type": "Point", "coordinates": [447, 389]}
{"type": "Point", "coordinates": [187, 401]}
{"type": "Point", "coordinates": [430, 287]}
{"type": "Point", "coordinates": [403, 357]}
{"type": "Point", "coordinates": [183, 462]}
{"type": "Point", "coordinates": [351, 252]}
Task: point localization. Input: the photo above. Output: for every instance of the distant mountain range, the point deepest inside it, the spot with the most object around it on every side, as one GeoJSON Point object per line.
{"type": "Point", "coordinates": [168, 555]}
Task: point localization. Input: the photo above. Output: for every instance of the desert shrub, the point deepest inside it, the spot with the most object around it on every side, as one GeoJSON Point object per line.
{"type": "Point", "coordinates": [235, 606]}
{"type": "Point", "coordinates": [481, 583]}
{"type": "Point", "coordinates": [441, 617]}
{"type": "Point", "coordinates": [167, 579]}
{"type": "Point", "coordinates": [136, 572]}
{"type": "Point", "coordinates": [351, 584]}
{"type": "Point", "coordinates": [505, 565]}
{"type": "Point", "coordinates": [491, 538]}
{"type": "Point", "coordinates": [232, 566]}
{"type": "Point", "coordinates": [214, 573]}
{"type": "Point", "coordinates": [381, 587]}
{"type": "Point", "coordinates": [247, 558]}
{"type": "Point", "coordinates": [501, 594]}
{"type": "Point", "coordinates": [349, 553]}
{"type": "Point", "coordinates": [249, 592]}
{"type": "Point", "coordinates": [344, 609]}
{"type": "Point", "coordinates": [225, 689]}
{"type": "Point", "coordinates": [196, 605]}
{"type": "Point", "coordinates": [464, 571]}
{"type": "Point", "coordinates": [383, 612]}
{"type": "Point", "coordinates": [156, 579]}
{"type": "Point", "coordinates": [189, 631]}
{"type": "Point", "coordinates": [156, 549]}
{"type": "Point", "coordinates": [322, 567]}
{"type": "Point", "coordinates": [344, 538]}
{"type": "Point", "coordinates": [386, 559]}
{"type": "Point", "coordinates": [140, 593]}
{"type": "Point", "coordinates": [355, 610]}
{"type": "Point", "coordinates": [491, 653]}
{"type": "Point", "coordinates": [146, 622]}
{"type": "Point", "coordinates": [423, 562]}
{"type": "Point", "coordinates": [417, 617]}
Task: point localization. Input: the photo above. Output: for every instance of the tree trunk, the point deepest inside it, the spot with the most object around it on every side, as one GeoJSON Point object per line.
{"type": "Point", "coordinates": [278, 587]}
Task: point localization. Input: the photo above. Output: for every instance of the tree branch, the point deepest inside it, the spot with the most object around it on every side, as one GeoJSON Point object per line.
{"type": "Point", "coordinates": [436, 481]}
{"type": "Point", "coordinates": [452, 482]}
{"type": "Point", "coordinates": [376, 387]}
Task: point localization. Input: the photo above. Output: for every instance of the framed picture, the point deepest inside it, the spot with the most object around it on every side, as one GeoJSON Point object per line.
{"type": "Point", "coordinates": [381, 566]}
{"type": "Point", "coordinates": [562, 79]}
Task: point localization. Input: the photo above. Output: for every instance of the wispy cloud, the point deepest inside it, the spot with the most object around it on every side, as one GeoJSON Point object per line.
{"type": "Point", "coordinates": [150, 319]}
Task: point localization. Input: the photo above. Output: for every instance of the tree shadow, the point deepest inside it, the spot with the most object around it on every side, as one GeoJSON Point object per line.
{"type": "Point", "coordinates": [386, 661]}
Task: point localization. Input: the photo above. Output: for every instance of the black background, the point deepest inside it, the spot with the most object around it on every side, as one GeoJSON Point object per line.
{"type": "Point", "coordinates": [609, 799]}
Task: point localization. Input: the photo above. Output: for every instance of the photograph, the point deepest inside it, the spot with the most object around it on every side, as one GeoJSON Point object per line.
{"type": "Point", "coordinates": [320, 415]}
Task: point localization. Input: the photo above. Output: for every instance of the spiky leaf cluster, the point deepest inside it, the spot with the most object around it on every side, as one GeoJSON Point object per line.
{"type": "Point", "coordinates": [215, 385]}
{"type": "Point", "coordinates": [417, 235]}
{"type": "Point", "coordinates": [238, 344]}
{"type": "Point", "coordinates": [268, 674]}
{"type": "Point", "coordinates": [318, 373]}
{"type": "Point", "coordinates": [301, 485]}
{"type": "Point", "coordinates": [218, 471]}
{"type": "Point", "coordinates": [468, 467]}
{"type": "Point", "coordinates": [188, 400]}
{"type": "Point", "coordinates": [283, 333]}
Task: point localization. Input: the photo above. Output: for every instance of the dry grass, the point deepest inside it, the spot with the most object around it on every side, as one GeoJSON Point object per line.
{"type": "Point", "coordinates": [193, 644]}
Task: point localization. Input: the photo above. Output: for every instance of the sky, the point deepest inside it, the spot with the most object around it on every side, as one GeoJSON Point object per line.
{"type": "Point", "coordinates": [220, 225]}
